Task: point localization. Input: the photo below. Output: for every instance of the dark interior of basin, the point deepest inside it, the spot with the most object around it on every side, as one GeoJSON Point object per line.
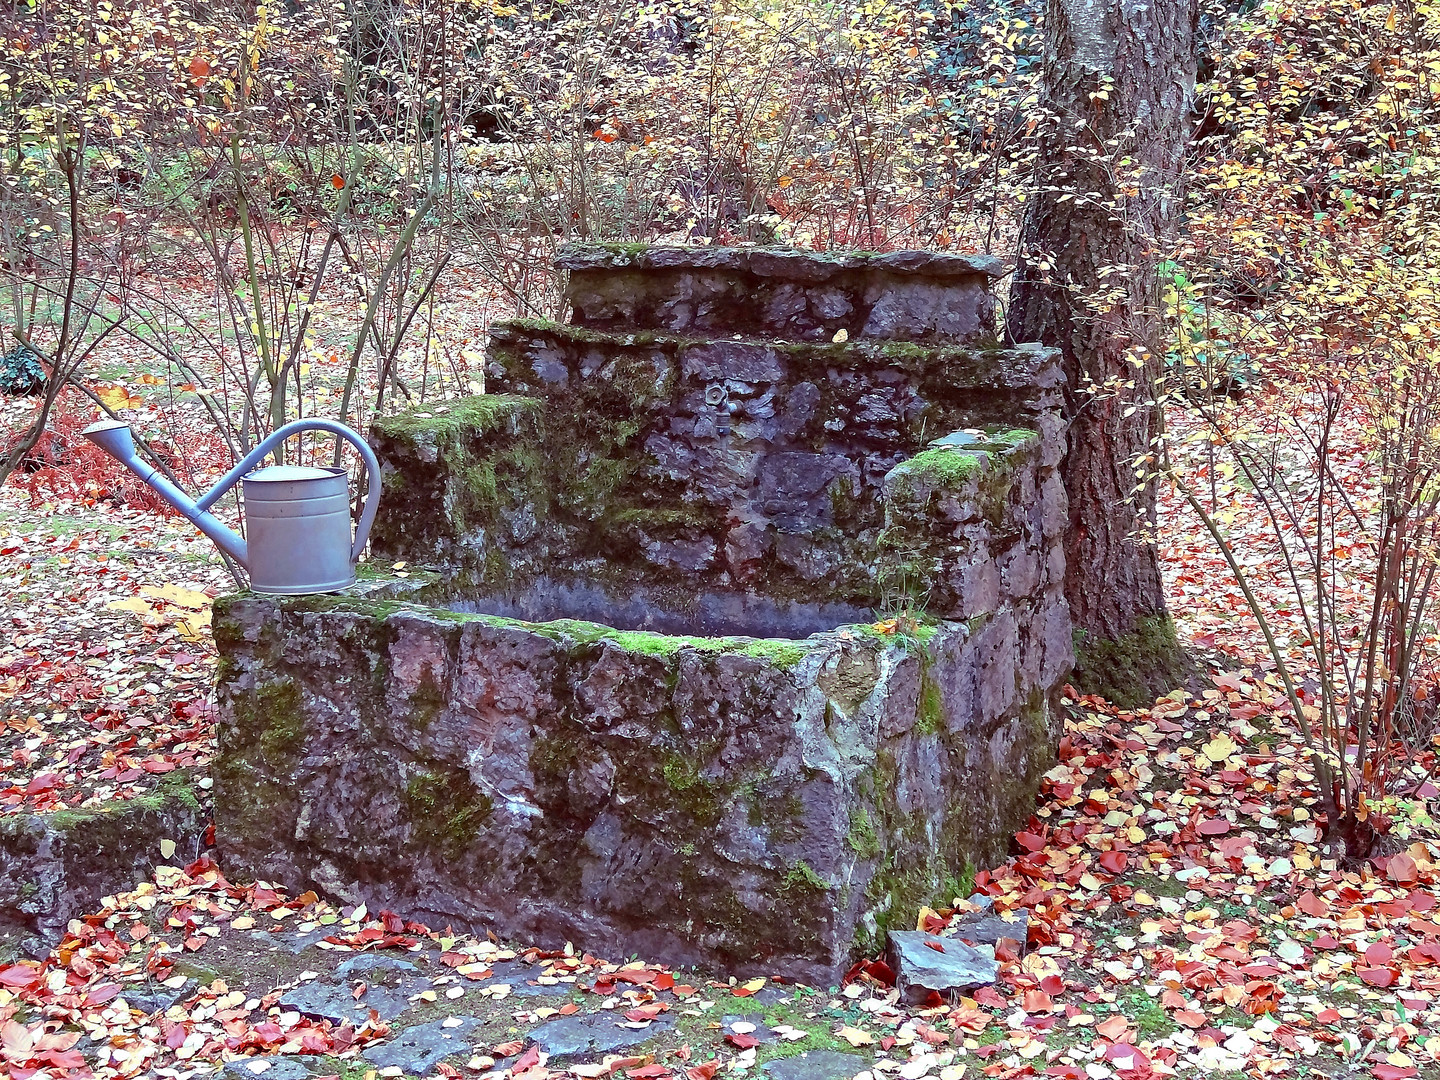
{"type": "Point", "coordinates": [707, 613]}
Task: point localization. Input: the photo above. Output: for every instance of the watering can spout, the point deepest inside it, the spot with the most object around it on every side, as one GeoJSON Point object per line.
{"type": "Point", "coordinates": [115, 438]}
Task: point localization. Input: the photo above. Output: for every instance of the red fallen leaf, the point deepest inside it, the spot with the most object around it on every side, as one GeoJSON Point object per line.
{"type": "Point", "coordinates": [1402, 870]}
{"type": "Point", "coordinates": [878, 970]}
{"type": "Point", "coordinates": [684, 991]}
{"type": "Point", "coordinates": [663, 981]}
{"type": "Point", "coordinates": [1312, 905]}
{"type": "Point", "coordinates": [526, 1060]}
{"type": "Point", "coordinates": [569, 1008]}
{"type": "Point", "coordinates": [1379, 954]}
{"type": "Point", "coordinates": [638, 976]}
{"type": "Point", "coordinates": [704, 1071]}
{"type": "Point", "coordinates": [1007, 950]}
{"type": "Point", "coordinates": [199, 67]}
{"type": "Point", "coordinates": [1124, 1049]}
{"type": "Point", "coordinates": [647, 1072]}
{"type": "Point", "coordinates": [43, 782]}
{"type": "Point", "coordinates": [1325, 941]}
{"type": "Point", "coordinates": [987, 996]}
{"type": "Point", "coordinates": [1112, 861]}
{"type": "Point", "coordinates": [1037, 1001]}
{"type": "Point", "coordinates": [887, 1041]}
{"type": "Point", "coordinates": [195, 941]}
{"type": "Point", "coordinates": [1213, 827]}
{"type": "Point", "coordinates": [102, 994]}
{"type": "Point", "coordinates": [359, 991]}
{"type": "Point", "coordinates": [1328, 1016]}
{"type": "Point", "coordinates": [1113, 1028]}
{"type": "Point", "coordinates": [65, 1059]}
{"type": "Point", "coordinates": [19, 975]}
{"type": "Point", "coordinates": [647, 1012]}
{"type": "Point", "coordinates": [1377, 976]}
{"type": "Point", "coordinates": [1421, 901]}
{"type": "Point", "coordinates": [935, 945]}
{"type": "Point", "coordinates": [1190, 1018]}
{"type": "Point", "coordinates": [1029, 841]}
{"type": "Point", "coordinates": [507, 1049]}
{"type": "Point", "coordinates": [1052, 985]}
{"type": "Point", "coordinates": [740, 1041]}
{"type": "Point", "coordinates": [1386, 1071]}
{"type": "Point", "coordinates": [453, 959]}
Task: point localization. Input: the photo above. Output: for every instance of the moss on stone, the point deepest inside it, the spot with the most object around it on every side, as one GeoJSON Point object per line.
{"type": "Point", "coordinates": [941, 466]}
{"type": "Point", "coordinates": [276, 711]}
{"type": "Point", "coordinates": [108, 826]}
{"type": "Point", "coordinates": [802, 878]}
{"type": "Point", "coordinates": [446, 808]}
{"type": "Point", "coordinates": [861, 837]}
{"type": "Point", "coordinates": [929, 709]}
{"type": "Point", "coordinates": [477, 414]}
{"type": "Point", "coordinates": [1134, 669]}
{"type": "Point", "coordinates": [702, 799]}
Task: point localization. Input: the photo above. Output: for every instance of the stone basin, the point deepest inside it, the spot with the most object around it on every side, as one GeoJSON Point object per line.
{"type": "Point", "coordinates": [723, 651]}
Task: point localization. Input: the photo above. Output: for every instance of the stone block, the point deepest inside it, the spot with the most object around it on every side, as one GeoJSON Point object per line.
{"type": "Point", "coordinates": [746, 804]}
{"type": "Point", "coordinates": [903, 295]}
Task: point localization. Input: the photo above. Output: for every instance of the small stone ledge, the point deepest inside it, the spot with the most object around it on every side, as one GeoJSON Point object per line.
{"type": "Point", "coordinates": [800, 295]}
{"type": "Point", "coordinates": [56, 866]}
{"type": "Point", "coordinates": [791, 264]}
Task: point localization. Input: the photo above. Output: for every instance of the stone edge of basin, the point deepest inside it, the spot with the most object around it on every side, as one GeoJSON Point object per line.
{"type": "Point", "coordinates": [789, 263]}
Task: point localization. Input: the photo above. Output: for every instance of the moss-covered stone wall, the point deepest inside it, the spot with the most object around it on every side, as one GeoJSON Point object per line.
{"type": "Point", "coordinates": [745, 804]}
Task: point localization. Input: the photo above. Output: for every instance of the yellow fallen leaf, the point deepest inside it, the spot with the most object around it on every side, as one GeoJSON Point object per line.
{"type": "Point", "coordinates": [194, 627]}
{"type": "Point", "coordinates": [754, 986]}
{"type": "Point", "coordinates": [139, 605]}
{"type": "Point", "coordinates": [117, 397]}
{"type": "Point", "coordinates": [175, 594]}
{"type": "Point", "coordinates": [244, 922]}
{"type": "Point", "coordinates": [854, 1036]}
{"type": "Point", "coordinates": [1219, 748]}
{"type": "Point", "coordinates": [167, 848]}
{"type": "Point", "coordinates": [925, 912]}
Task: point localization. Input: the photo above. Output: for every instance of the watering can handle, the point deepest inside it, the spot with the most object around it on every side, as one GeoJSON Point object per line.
{"type": "Point", "coordinates": [250, 460]}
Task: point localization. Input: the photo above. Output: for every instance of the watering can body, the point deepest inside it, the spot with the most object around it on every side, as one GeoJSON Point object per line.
{"type": "Point", "coordinates": [297, 517]}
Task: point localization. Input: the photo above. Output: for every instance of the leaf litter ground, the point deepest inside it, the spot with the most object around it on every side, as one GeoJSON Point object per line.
{"type": "Point", "coordinates": [1183, 918]}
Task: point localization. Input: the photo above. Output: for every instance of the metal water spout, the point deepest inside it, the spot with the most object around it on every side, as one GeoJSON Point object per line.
{"type": "Point", "coordinates": [297, 517]}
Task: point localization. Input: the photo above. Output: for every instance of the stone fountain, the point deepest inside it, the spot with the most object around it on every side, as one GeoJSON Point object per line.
{"type": "Point", "coordinates": [725, 629]}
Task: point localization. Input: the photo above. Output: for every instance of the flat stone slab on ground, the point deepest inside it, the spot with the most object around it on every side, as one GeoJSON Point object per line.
{"type": "Point", "coordinates": [368, 963]}
{"type": "Point", "coordinates": [271, 1068]}
{"type": "Point", "coordinates": [923, 963]}
{"type": "Point", "coordinates": [520, 978]}
{"type": "Point", "coordinates": [987, 928]}
{"type": "Point", "coordinates": [417, 1050]}
{"type": "Point", "coordinates": [594, 1034]}
{"type": "Point", "coordinates": [337, 1003]}
{"type": "Point", "coordinates": [816, 1065]}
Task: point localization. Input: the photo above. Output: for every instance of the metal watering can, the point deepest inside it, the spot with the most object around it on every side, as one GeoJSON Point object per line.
{"type": "Point", "coordinates": [297, 516]}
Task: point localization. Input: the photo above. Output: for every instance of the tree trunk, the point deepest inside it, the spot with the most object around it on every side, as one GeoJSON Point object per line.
{"type": "Point", "coordinates": [1119, 78]}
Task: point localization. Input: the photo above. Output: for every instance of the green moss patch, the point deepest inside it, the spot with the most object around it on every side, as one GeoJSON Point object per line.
{"type": "Point", "coordinates": [1134, 669]}
{"type": "Point", "coordinates": [479, 414]}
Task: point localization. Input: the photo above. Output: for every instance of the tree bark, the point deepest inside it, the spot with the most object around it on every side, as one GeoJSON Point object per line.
{"type": "Point", "coordinates": [1118, 82]}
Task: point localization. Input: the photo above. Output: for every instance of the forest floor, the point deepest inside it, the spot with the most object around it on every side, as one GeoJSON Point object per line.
{"type": "Point", "coordinates": [1184, 919]}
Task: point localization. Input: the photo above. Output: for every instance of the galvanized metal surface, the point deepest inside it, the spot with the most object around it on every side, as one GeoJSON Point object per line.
{"type": "Point", "coordinates": [297, 517]}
